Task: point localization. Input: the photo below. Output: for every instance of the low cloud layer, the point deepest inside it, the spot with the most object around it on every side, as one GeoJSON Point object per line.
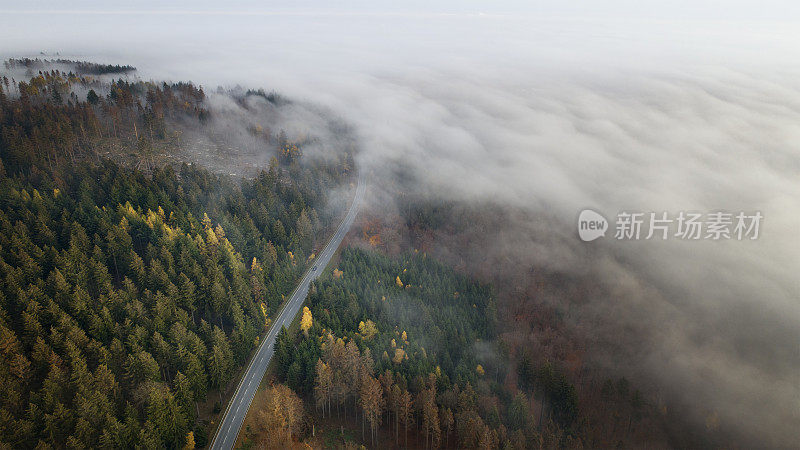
{"type": "Point", "coordinates": [718, 321]}
{"type": "Point", "coordinates": [549, 117]}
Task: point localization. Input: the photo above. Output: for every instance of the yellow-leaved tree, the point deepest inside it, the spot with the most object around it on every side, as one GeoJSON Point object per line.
{"type": "Point", "coordinates": [399, 355]}
{"type": "Point", "coordinates": [279, 420]}
{"type": "Point", "coordinates": [367, 329]}
{"type": "Point", "coordinates": [306, 321]}
{"type": "Point", "coordinates": [189, 441]}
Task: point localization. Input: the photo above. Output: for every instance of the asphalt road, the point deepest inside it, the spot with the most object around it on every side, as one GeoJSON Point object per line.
{"type": "Point", "coordinates": [237, 408]}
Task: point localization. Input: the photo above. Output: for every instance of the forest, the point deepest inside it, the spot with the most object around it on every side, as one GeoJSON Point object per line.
{"type": "Point", "coordinates": [80, 67]}
{"type": "Point", "coordinates": [130, 295]}
{"type": "Point", "coordinates": [541, 344]}
{"type": "Point", "coordinates": [404, 343]}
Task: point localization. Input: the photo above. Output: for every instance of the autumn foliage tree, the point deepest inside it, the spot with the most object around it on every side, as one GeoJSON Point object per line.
{"type": "Point", "coordinates": [306, 321]}
{"type": "Point", "coordinates": [279, 417]}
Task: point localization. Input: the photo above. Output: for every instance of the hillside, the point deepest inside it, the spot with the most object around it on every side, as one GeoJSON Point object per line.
{"type": "Point", "coordinates": [131, 290]}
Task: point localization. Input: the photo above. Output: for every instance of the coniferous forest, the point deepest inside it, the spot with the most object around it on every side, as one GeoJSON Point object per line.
{"type": "Point", "coordinates": [400, 344]}
{"type": "Point", "coordinates": [129, 295]}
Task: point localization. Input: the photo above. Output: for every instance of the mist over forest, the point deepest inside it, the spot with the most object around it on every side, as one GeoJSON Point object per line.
{"type": "Point", "coordinates": [483, 131]}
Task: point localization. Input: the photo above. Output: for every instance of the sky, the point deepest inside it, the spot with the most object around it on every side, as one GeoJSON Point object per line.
{"type": "Point", "coordinates": [546, 107]}
{"type": "Point", "coordinates": [664, 9]}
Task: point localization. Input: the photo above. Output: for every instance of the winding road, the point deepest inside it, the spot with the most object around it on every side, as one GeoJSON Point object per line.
{"type": "Point", "coordinates": [237, 408]}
